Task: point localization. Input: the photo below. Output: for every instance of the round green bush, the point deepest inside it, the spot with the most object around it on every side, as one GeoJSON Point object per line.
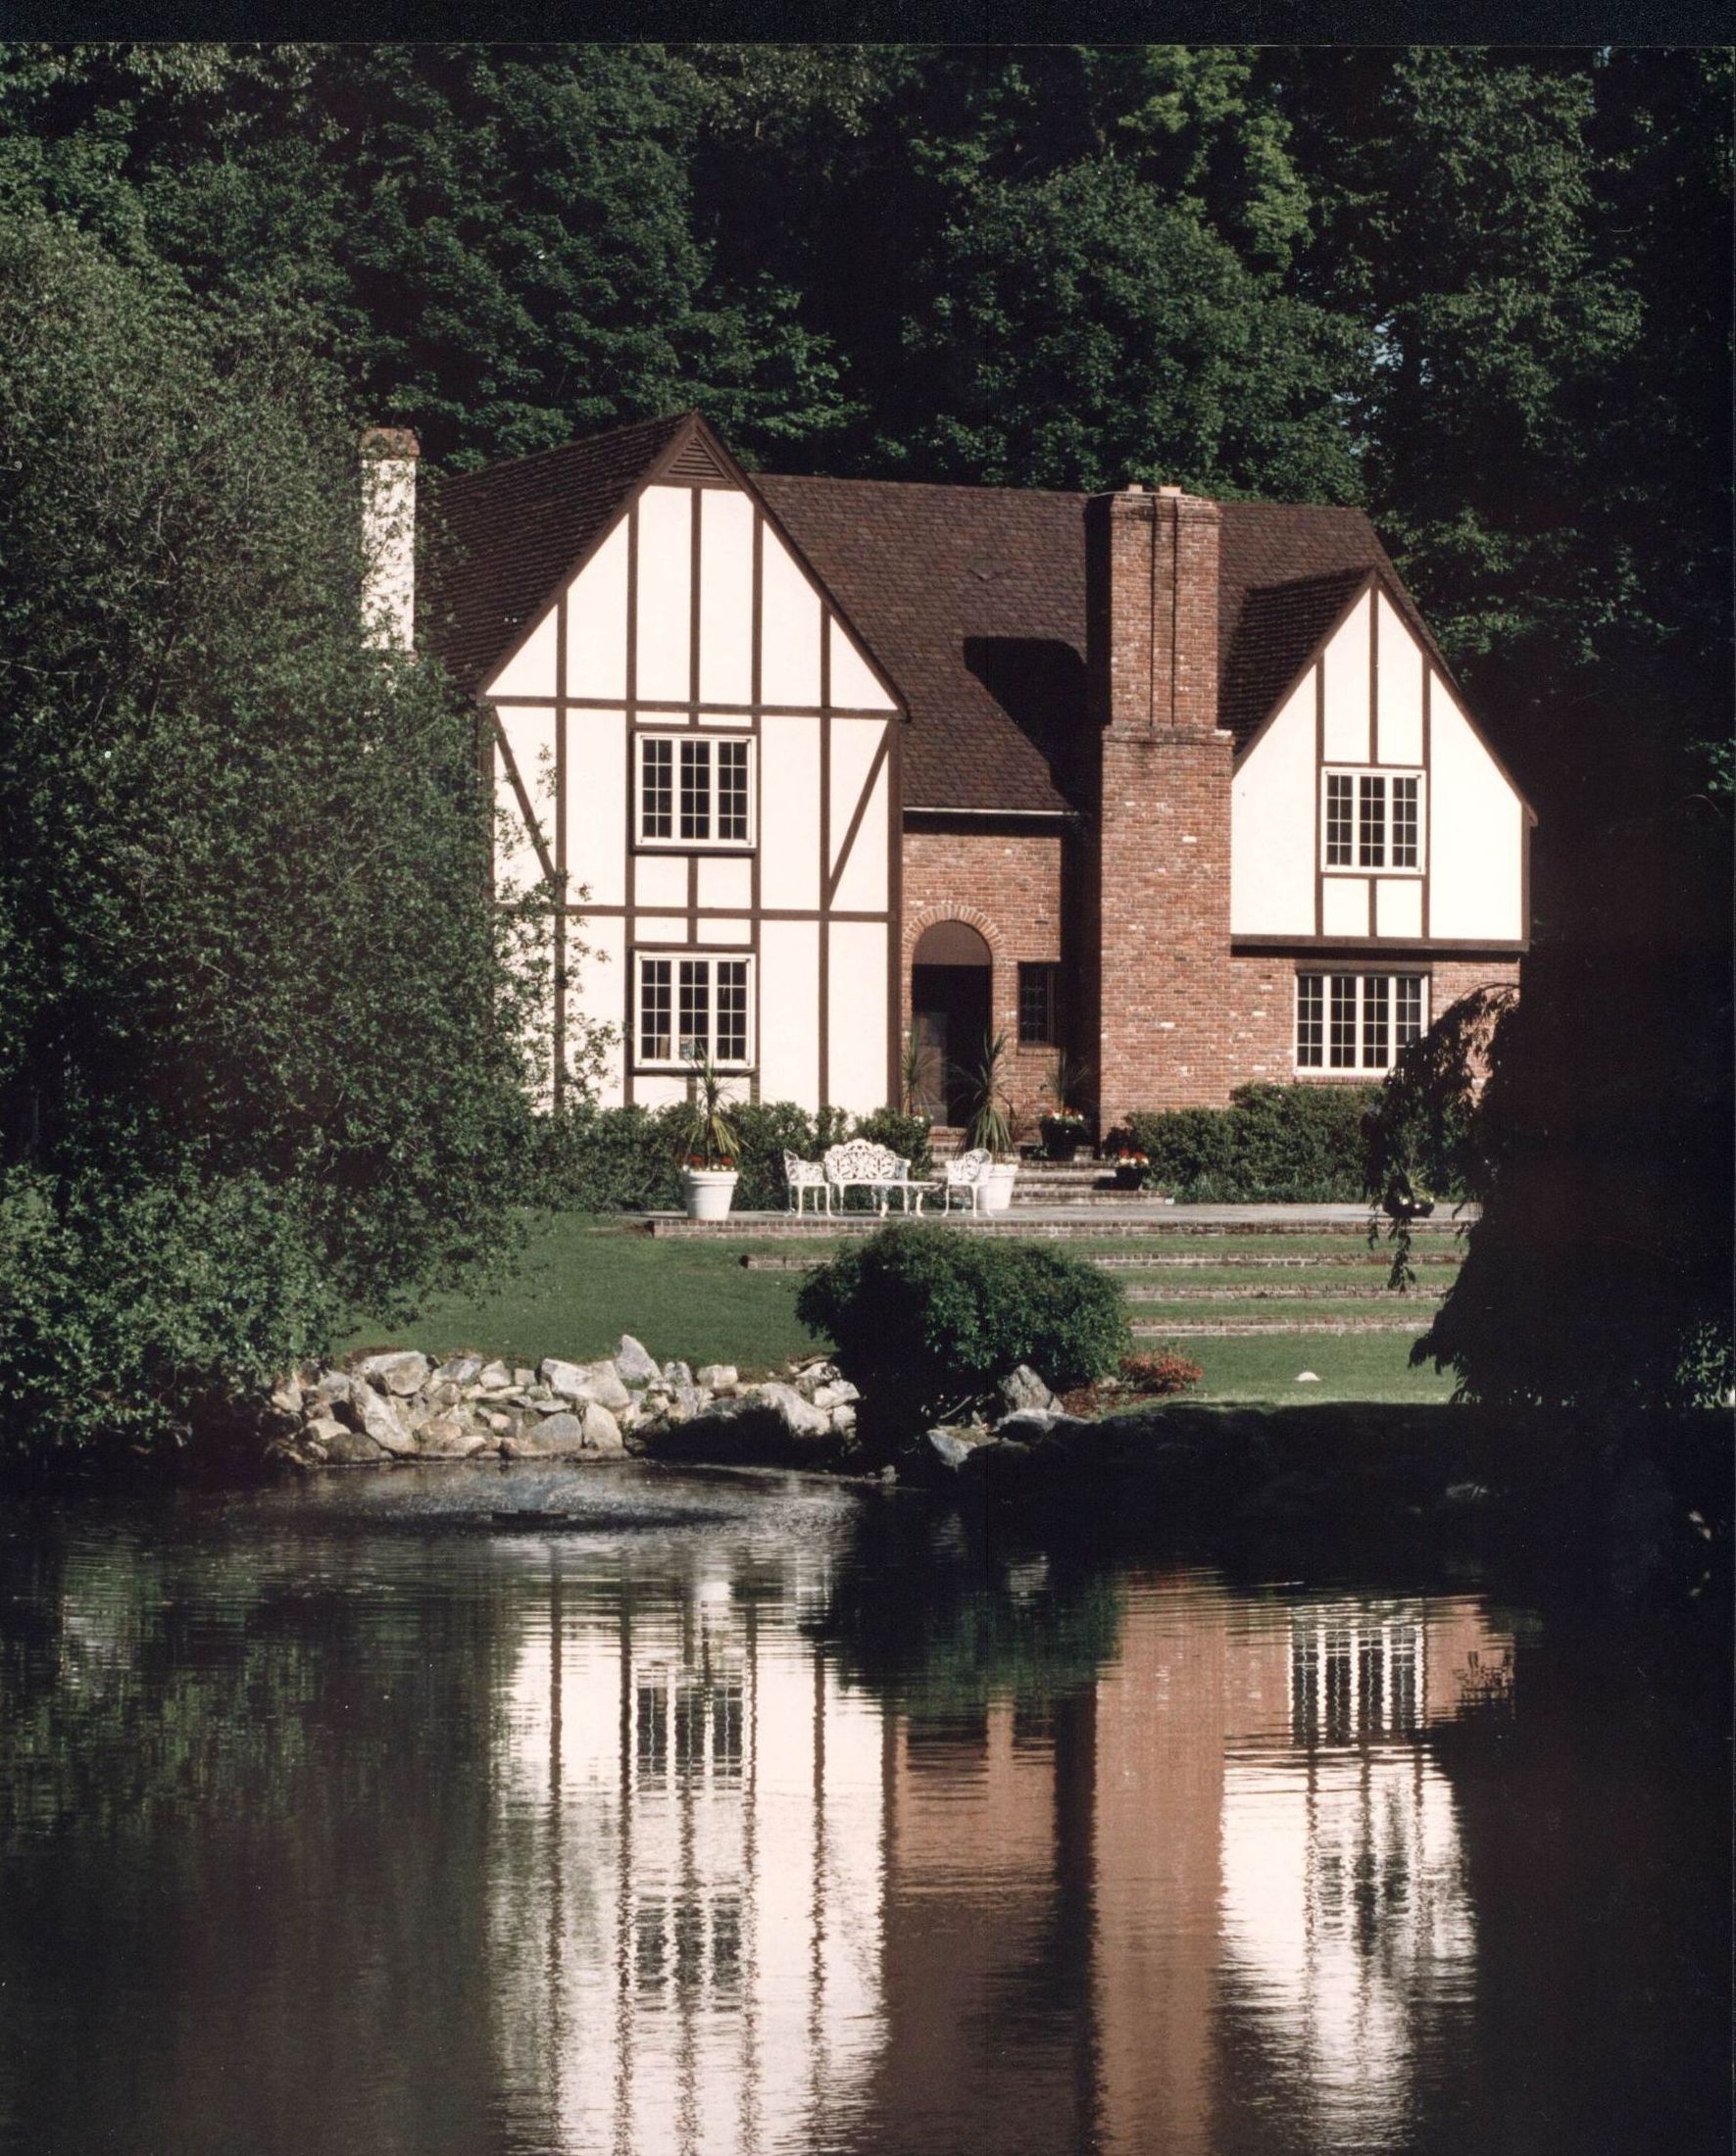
{"type": "Point", "coordinates": [924, 1319]}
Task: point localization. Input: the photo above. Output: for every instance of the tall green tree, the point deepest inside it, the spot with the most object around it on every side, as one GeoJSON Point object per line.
{"type": "Point", "coordinates": [261, 1046]}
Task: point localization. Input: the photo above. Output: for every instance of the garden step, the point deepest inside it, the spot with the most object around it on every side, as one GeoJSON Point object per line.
{"type": "Point", "coordinates": [1196, 1261]}
{"type": "Point", "coordinates": [1237, 1328]}
{"type": "Point", "coordinates": [1329, 1291]}
{"type": "Point", "coordinates": [1065, 1223]}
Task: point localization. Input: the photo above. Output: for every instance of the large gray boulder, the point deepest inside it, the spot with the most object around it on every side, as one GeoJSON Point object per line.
{"type": "Point", "coordinates": [346, 1448]}
{"type": "Point", "coordinates": [800, 1417]}
{"type": "Point", "coordinates": [944, 1450]}
{"type": "Point", "coordinates": [582, 1381]}
{"type": "Point", "coordinates": [1021, 1389]}
{"type": "Point", "coordinates": [461, 1370]}
{"type": "Point", "coordinates": [602, 1433]}
{"type": "Point", "coordinates": [402, 1372]}
{"type": "Point", "coordinates": [447, 1438]}
{"type": "Point", "coordinates": [379, 1418]}
{"type": "Point", "coordinates": [634, 1363]}
{"type": "Point", "coordinates": [718, 1377]}
{"type": "Point", "coordinates": [553, 1439]}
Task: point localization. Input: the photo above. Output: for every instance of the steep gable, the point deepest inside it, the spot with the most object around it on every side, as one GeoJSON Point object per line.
{"type": "Point", "coordinates": [512, 532]}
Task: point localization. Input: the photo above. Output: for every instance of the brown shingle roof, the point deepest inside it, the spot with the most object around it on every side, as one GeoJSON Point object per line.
{"type": "Point", "coordinates": [972, 598]}
{"type": "Point", "coordinates": [510, 532]}
{"type": "Point", "coordinates": [951, 585]}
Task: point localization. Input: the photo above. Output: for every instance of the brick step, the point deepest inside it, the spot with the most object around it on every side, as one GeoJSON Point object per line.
{"type": "Point", "coordinates": [1084, 1220]}
{"type": "Point", "coordinates": [1328, 1291]}
{"type": "Point", "coordinates": [1155, 1261]}
{"type": "Point", "coordinates": [1256, 1329]}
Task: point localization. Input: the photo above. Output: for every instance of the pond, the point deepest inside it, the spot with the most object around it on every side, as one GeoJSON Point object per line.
{"type": "Point", "coordinates": [745, 1813]}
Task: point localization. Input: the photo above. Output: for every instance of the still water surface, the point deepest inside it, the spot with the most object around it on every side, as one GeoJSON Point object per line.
{"type": "Point", "coordinates": [759, 1817]}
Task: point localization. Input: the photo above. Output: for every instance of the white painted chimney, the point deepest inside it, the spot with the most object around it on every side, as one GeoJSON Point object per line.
{"type": "Point", "coordinates": [388, 535]}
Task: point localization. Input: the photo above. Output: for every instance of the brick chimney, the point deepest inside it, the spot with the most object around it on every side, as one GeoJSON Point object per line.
{"type": "Point", "coordinates": [1159, 1029]}
{"type": "Point", "coordinates": [388, 535]}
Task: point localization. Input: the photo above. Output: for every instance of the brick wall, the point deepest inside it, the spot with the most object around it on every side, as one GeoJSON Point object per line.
{"type": "Point", "coordinates": [1010, 887]}
{"type": "Point", "coordinates": [1174, 1026]}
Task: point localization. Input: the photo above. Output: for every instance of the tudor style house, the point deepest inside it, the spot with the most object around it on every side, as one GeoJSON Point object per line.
{"type": "Point", "coordinates": [1181, 786]}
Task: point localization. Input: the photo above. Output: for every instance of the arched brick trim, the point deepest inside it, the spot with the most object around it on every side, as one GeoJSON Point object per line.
{"type": "Point", "coordinates": [929, 914]}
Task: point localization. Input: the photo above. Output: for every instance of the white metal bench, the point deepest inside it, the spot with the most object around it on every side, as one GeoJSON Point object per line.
{"type": "Point", "coordinates": [803, 1176]}
{"type": "Point", "coordinates": [859, 1164]}
{"type": "Point", "coordinates": [967, 1173]}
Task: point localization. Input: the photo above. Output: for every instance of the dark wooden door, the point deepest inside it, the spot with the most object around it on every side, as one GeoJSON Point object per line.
{"type": "Point", "coordinates": [950, 1017]}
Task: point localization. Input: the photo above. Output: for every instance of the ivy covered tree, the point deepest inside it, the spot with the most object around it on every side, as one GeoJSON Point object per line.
{"type": "Point", "coordinates": [261, 1052]}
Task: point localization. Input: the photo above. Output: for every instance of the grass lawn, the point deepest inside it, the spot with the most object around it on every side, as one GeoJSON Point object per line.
{"type": "Point", "coordinates": [583, 1282]}
{"type": "Point", "coordinates": [1348, 1365]}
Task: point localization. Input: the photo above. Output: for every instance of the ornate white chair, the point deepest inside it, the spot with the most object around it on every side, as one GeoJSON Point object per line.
{"type": "Point", "coordinates": [803, 1176]}
{"type": "Point", "coordinates": [967, 1174]}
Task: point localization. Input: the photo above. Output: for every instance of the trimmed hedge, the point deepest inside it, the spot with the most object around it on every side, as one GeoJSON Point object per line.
{"type": "Point", "coordinates": [924, 1321]}
{"type": "Point", "coordinates": [1273, 1145]}
{"type": "Point", "coordinates": [594, 1159]}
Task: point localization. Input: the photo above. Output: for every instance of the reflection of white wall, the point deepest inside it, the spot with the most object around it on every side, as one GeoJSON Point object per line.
{"type": "Point", "coordinates": [1345, 1912]}
{"type": "Point", "coordinates": [685, 1909]}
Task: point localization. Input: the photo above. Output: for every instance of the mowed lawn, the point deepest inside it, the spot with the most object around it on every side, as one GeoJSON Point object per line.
{"type": "Point", "coordinates": [583, 1282]}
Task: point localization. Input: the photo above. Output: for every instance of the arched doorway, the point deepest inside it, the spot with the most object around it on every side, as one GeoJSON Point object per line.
{"type": "Point", "coordinates": [951, 972]}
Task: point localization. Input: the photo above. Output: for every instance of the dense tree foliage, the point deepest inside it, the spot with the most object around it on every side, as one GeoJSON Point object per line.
{"type": "Point", "coordinates": [259, 1051]}
{"type": "Point", "coordinates": [1483, 292]}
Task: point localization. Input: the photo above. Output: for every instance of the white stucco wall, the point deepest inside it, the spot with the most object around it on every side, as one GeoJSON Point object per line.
{"type": "Point", "coordinates": [1468, 886]}
{"type": "Point", "coordinates": [1475, 887]}
{"type": "Point", "coordinates": [1271, 880]}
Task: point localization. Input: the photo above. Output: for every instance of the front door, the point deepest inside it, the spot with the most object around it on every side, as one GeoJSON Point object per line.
{"type": "Point", "coordinates": [950, 1017]}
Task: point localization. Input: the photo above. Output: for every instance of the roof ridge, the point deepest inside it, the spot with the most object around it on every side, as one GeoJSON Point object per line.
{"type": "Point", "coordinates": [927, 486]}
{"type": "Point", "coordinates": [579, 441]}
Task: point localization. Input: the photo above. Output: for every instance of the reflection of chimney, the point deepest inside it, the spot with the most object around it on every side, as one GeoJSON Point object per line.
{"type": "Point", "coordinates": [388, 535]}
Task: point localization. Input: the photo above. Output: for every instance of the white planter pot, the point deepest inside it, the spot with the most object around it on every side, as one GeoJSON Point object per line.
{"type": "Point", "coordinates": [996, 1186]}
{"type": "Point", "coordinates": [708, 1192]}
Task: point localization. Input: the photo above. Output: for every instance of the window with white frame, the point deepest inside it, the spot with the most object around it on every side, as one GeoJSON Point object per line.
{"type": "Point", "coordinates": [689, 1005]}
{"type": "Point", "coordinates": [1357, 1021]}
{"type": "Point", "coordinates": [1373, 819]}
{"type": "Point", "coordinates": [696, 790]}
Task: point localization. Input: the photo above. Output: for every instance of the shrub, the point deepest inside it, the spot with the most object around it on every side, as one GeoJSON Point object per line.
{"type": "Point", "coordinates": [1272, 1145]}
{"type": "Point", "coordinates": [906, 1134]}
{"type": "Point", "coordinates": [767, 1129]}
{"type": "Point", "coordinates": [924, 1319]}
{"type": "Point", "coordinates": [1159, 1374]}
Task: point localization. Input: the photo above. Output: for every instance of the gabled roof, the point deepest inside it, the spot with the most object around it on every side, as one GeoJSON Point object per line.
{"type": "Point", "coordinates": [970, 599]}
{"type": "Point", "coordinates": [950, 584]}
{"type": "Point", "coordinates": [513, 532]}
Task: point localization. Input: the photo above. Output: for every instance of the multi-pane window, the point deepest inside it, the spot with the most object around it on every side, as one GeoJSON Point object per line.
{"type": "Point", "coordinates": [695, 789]}
{"type": "Point", "coordinates": [1310, 1021]}
{"type": "Point", "coordinates": [1403, 824]}
{"type": "Point", "coordinates": [657, 789]}
{"type": "Point", "coordinates": [692, 1006]}
{"type": "Point", "coordinates": [1039, 998]}
{"type": "Point", "coordinates": [1357, 1022]}
{"type": "Point", "coordinates": [1339, 819]}
{"type": "Point", "coordinates": [1371, 820]}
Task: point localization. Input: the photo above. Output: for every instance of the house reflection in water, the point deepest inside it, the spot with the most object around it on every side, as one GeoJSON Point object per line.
{"type": "Point", "coordinates": [736, 1907]}
{"type": "Point", "coordinates": [688, 1882]}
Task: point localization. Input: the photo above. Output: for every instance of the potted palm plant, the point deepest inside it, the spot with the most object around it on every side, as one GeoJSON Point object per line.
{"type": "Point", "coordinates": [709, 1145]}
{"type": "Point", "coordinates": [1064, 1127]}
{"type": "Point", "coordinates": [991, 1120]}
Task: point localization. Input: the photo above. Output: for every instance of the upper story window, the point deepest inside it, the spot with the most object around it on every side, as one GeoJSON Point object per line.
{"type": "Point", "coordinates": [1373, 819]}
{"type": "Point", "coordinates": [696, 790]}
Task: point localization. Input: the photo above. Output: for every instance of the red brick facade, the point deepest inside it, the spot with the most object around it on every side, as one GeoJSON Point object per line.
{"type": "Point", "coordinates": [1008, 886]}
{"type": "Point", "coordinates": [1135, 900]}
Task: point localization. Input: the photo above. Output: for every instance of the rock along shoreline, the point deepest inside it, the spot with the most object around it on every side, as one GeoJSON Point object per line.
{"type": "Point", "coordinates": [401, 1406]}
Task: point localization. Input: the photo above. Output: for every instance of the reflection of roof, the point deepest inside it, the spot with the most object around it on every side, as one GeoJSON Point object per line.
{"type": "Point", "coordinates": [972, 598]}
